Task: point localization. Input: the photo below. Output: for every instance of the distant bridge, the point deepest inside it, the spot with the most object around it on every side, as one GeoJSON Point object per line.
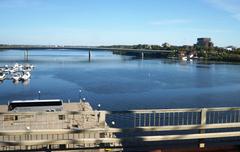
{"type": "Point", "coordinates": [93, 48]}
{"type": "Point", "coordinates": [26, 48]}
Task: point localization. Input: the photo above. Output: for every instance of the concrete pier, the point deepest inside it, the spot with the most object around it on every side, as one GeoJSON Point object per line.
{"type": "Point", "coordinates": [26, 55]}
{"type": "Point", "coordinates": [89, 55]}
{"type": "Point", "coordinates": [142, 55]}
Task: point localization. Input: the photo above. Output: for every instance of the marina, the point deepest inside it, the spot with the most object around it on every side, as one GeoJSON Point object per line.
{"type": "Point", "coordinates": [16, 73]}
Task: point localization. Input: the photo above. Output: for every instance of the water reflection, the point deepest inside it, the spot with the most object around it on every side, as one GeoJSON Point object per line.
{"type": "Point", "coordinates": [16, 82]}
{"type": "Point", "coordinates": [26, 82]}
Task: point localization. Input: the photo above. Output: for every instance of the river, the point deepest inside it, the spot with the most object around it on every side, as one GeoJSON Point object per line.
{"type": "Point", "coordinates": [123, 82]}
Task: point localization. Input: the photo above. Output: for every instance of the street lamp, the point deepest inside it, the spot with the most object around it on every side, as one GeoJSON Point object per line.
{"type": "Point", "coordinates": [79, 94]}
{"type": "Point", "coordinates": [99, 106]}
{"type": "Point", "coordinates": [113, 123]}
{"type": "Point", "coordinates": [39, 95]}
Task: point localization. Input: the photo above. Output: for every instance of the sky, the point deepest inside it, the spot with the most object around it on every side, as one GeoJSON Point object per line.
{"type": "Point", "coordinates": [113, 22]}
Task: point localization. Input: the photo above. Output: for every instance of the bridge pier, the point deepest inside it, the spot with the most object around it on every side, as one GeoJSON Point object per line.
{"type": "Point", "coordinates": [26, 55]}
{"type": "Point", "coordinates": [142, 55]}
{"type": "Point", "coordinates": [89, 55]}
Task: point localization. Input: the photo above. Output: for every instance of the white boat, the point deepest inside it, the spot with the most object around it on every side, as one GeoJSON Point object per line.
{"type": "Point", "coordinates": [184, 58]}
{"type": "Point", "coordinates": [2, 76]}
{"type": "Point", "coordinates": [6, 70]}
{"type": "Point", "coordinates": [16, 76]}
{"type": "Point", "coordinates": [13, 70]}
{"type": "Point", "coordinates": [2, 69]}
{"type": "Point", "coordinates": [17, 72]}
{"type": "Point", "coordinates": [26, 76]}
{"type": "Point", "coordinates": [28, 65]}
{"type": "Point", "coordinates": [16, 65]}
{"type": "Point", "coordinates": [191, 56]}
{"type": "Point", "coordinates": [27, 69]}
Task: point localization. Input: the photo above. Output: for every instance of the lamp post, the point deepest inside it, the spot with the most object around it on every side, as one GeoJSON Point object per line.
{"type": "Point", "coordinates": [39, 95]}
{"type": "Point", "coordinates": [113, 123]}
{"type": "Point", "coordinates": [99, 106]}
{"type": "Point", "coordinates": [79, 94]}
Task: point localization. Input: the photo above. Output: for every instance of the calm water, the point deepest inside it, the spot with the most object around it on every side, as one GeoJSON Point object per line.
{"type": "Point", "coordinates": [120, 82]}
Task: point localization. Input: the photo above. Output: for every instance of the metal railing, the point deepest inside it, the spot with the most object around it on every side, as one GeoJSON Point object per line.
{"type": "Point", "coordinates": [173, 117]}
{"type": "Point", "coordinates": [200, 123]}
{"type": "Point", "coordinates": [169, 124]}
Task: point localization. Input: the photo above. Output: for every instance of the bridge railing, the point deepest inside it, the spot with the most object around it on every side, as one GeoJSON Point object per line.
{"type": "Point", "coordinates": [175, 124]}
{"type": "Point", "coordinates": [173, 117]}
{"type": "Point", "coordinates": [136, 126]}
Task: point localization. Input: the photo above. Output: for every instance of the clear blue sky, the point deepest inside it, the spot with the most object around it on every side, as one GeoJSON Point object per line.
{"type": "Point", "coordinates": [107, 22]}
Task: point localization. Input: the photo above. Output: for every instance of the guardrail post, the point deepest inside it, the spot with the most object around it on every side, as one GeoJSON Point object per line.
{"type": "Point", "coordinates": [203, 123]}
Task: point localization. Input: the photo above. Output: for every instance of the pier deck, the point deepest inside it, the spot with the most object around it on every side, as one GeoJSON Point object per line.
{"type": "Point", "coordinates": [53, 129]}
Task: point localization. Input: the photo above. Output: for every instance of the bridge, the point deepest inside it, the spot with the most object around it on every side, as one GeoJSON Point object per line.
{"type": "Point", "coordinates": [132, 128]}
{"type": "Point", "coordinates": [27, 48]}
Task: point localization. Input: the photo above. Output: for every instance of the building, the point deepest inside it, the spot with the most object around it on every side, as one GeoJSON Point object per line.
{"type": "Point", "coordinates": [230, 48]}
{"type": "Point", "coordinates": [204, 42]}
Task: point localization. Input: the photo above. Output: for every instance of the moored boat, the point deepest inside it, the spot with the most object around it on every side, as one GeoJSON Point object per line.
{"type": "Point", "coordinates": [2, 76]}
{"type": "Point", "coordinates": [25, 76]}
{"type": "Point", "coordinates": [16, 76]}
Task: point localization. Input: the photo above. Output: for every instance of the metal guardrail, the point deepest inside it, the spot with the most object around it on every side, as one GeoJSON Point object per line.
{"type": "Point", "coordinates": [201, 123]}
{"type": "Point", "coordinates": [174, 117]}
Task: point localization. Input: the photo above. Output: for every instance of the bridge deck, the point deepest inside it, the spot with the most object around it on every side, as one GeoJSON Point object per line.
{"type": "Point", "coordinates": [81, 48]}
{"type": "Point", "coordinates": [79, 125]}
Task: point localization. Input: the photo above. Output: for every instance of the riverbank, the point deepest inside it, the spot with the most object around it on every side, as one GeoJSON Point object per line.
{"type": "Point", "coordinates": [208, 54]}
{"type": "Point", "coordinates": [222, 56]}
